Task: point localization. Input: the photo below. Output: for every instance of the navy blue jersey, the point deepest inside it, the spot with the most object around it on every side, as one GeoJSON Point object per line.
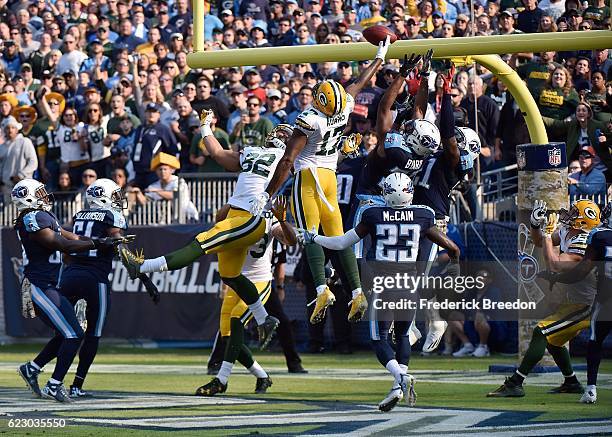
{"type": "Point", "coordinates": [397, 235]}
{"type": "Point", "coordinates": [347, 175]}
{"type": "Point", "coordinates": [600, 242]}
{"type": "Point", "coordinates": [151, 140]}
{"type": "Point", "coordinates": [398, 157]}
{"type": "Point", "coordinates": [41, 265]}
{"type": "Point", "coordinates": [95, 223]}
{"type": "Point", "coordinates": [433, 184]}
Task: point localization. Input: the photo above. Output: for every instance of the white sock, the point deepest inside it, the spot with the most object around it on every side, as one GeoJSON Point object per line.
{"type": "Point", "coordinates": [469, 343]}
{"type": "Point", "coordinates": [154, 265]}
{"type": "Point", "coordinates": [33, 364]}
{"type": "Point", "coordinates": [321, 289]}
{"type": "Point", "coordinates": [356, 292]}
{"type": "Point", "coordinates": [54, 381]}
{"type": "Point", "coordinates": [592, 388]}
{"type": "Point", "coordinates": [225, 371]}
{"type": "Point", "coordinates": [404, 368]}
{"type": "Point", "coordinates": [257, 371]}
{"type": "Point", "coordinates": [394, 368]}
{"type": "Point", "coordinates": [259, 312]}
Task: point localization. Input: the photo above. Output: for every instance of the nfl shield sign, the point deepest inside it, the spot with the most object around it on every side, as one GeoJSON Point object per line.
{"type": "Point", "coordinates": [554, 156]}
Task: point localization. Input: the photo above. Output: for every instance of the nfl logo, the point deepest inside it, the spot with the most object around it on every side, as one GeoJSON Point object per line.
{"type": "Point", "coordinates": [520, 159]}
{"type": "Point", "coordinates": [554, 156]}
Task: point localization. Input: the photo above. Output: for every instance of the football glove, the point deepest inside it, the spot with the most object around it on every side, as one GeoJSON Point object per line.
{"type": "Point", "coordinates": [258, 204]}
{"type": "Point", "coordinates": [426, 68]}
{"type": "Point", "coordinates": [306, 237]}
{"type": "Point", "coordinates": [383, 47]}
{"type": "Point", "coordinates": [448, 79]}
{"type": "Point", "coordinates": [206, 117]}
{"type": "Point", "coordinates": [538, 213]}
{"type": "Point", "coordinates": [409, 64]}
{"type": "Point", "coordinates": [110, 243]}
{"type": "Point", "coordinates": [150, 287]}
{"type": "Point", "coordinates": [551, 224]}
{"type": "Point", "coordinates": [349, 146]}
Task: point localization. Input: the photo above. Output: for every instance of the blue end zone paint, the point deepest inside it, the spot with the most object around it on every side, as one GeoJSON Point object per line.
{"type": "Point", "coordinates": [510, 368]}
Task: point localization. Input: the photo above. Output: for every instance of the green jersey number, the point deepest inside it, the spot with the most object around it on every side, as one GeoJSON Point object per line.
{"type": "Point", "coordinates": [330, 141]}
{"type": "Point", "coordinates": [258, 163]}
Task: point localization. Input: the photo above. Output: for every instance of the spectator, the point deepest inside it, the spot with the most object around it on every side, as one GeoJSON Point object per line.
{"type": "Point", "coordinates": [65, 192]}
{"type": "Point", "coordinates": [547, 24]}
{"type": "Point", "coordinates": [276, 111]}
{"type": "Point", "coordinates": [26, 115]}
{"type": "Point", "coordinates": [304, 102]}
{"type": "Point", "coordinates": [12, 57]}
{"type": "Point", "coordinates": [17, 156]}
{"type": "Point", "coordinates": [601, 62]}
{"type": "Point", "coordinates": [184, 129]}
{"type": "Point", "coordinates": [511, 131]}
{"type": "Point", "coordinates": [558, 99]}
{"type": "Point", "coordinates": [573, 167]}
{"type": "Point", "coordinates": [252, 129]}
{"type": "Point", "coordinates": [582, 76]}
{"type": "Point", "coordinates": [506, 23]}
{"type": "Point", "coordinates": [375, 16]}
{"type": "Point", "coordinates": [553, 9]}
{"type": "Point", "coordinates": [72, 57]}
{"type": "Point", "coordinates": [589, 181]}
{"type": "Point", "coordinates": [151, 137]}
{"type": "Point", "coordinates": [7, 103]}
{"type": "Point", "coordinates": [598, 13]}
{"type": "Point", "coordinates": [205, 100]}
{"type": "Point", "coordinates": [28, 45]}
{"type": "Point", "coordinates": [537, 72]}
{"type": "Point", "coordinates": [239, 102]}
{"type": "Point", "coordinates": [126, 36]}
{"type": "Point", "coordinates": [597, 98]}
{"type": "Point", "coordinates": [529, 19]}
{"type": "Point", "coordinates": [461, 25]}
{"type": "Point", "coordinates": [253, 82]}
{"type": "Point", "coordinates": [94, 138]}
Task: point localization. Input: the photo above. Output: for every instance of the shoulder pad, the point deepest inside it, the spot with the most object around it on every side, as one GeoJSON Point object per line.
{"type": "Point", "coordinates": [426, 210]}
{"type": "Point", "coordinates": [306, 121]}
{"type": "Point", "coordinates": [34, 221]}
{"type": "Point", "coordinates": [115, 219]}
{"type": "Point", "coordinates": [592, 234]}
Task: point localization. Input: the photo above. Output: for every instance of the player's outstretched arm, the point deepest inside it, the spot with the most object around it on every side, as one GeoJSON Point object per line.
{"type": "Point", "coordinates": [228, 159]}
{"type": "Point", "coordinates": [447, 124]}
{"type": "Point", "coordinates": [51, 240]}
{"type": "Point", "coordinates": [442, 240]}
{"type": "Point", "coordinates": [422, 96]}
{"type": "Point", "coordinates": [295, 144]}
{"type": "Point", "coordinates": [365, 77]}
{"type": "Point", "coordinates": [339, 242]}
{"type": "Point", "coordinates": [284, 232]}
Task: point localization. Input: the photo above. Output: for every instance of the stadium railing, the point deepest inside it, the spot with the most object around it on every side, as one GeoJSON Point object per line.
{"type": "Point", "coordinates": [209, 192]}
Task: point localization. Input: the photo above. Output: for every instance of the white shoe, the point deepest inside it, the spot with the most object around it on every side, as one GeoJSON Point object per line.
{"type": "Point", "coordinates": [448, 350]}
{"type": "Point", "coordinates": [589, 396]}
{"type": "Point", "coordinates": [482, 351]}
{"type": "Point", "coordinates": [435, 331]}
{"type": "Point", "coordinates": [392, 399]}
{"type": "Point", "coordinates": [466, 350]}
{"type": "Point", "coordinates": [407, 386]}
{"type": "Point", "coordinates": [414, 334]}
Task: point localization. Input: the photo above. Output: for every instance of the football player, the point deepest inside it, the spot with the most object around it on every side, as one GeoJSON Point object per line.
{"type": "Point", "coordinates": [397, 231]}
{"type": "Point", "coordinates": [598, 256]}
{"type": "Point", "coordinates": [312, 151]}
{"type": "Point", "coordinates": [85, 274]}
{"type": "Point", "coordinates": [573, 315]}
{"type": "Point", "coordinates": [235, 314]}
{"type": "Point", "coordinates": [41, 236]}
{"type": "Point", "coordinates": [230, 238]}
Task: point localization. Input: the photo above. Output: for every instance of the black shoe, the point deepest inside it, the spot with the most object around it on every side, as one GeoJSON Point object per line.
{"type": "Point", "coordinates": [212, 388]}
{"type": "Point", "coordinates": [568, 387]}
{"type": "Point", "coordinates": [266, 331]}
{"type": "Point", "coordinates": [508, 390]}
{"type": "Point", "coordinates": [213, 368]}
{"type": "Point", "coordinates": [29, 374]}
{"type": "Point", "coordinates": [57, 392]}
{"type": "Point", "coordinates": [79, 393]}
{"type": "Point", "coordinates": [262, 384]}
{"type": "Point", "coordinates": [296, 368]}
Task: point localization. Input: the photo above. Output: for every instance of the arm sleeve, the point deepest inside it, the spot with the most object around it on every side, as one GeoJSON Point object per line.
{"type": "Point", "coordinates": [340, 242]}
{"type": "Point", "coordinates": [447, 118]}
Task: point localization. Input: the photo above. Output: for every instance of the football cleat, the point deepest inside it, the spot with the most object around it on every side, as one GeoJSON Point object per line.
{"type": "Point", "coordinates": [414, 334]}
{"type": "Point", "coordinates": [466, 351]}
{"type": "Point", "coordinates": [262, 384]}
{"type": "Point", "coordinates": [131, 261]}
{"type": "Point", "coordinates": [435, 332]}
{"type": "Point", "coordinates": [359, 306]}
{"type": "Point", "coordinates": [79, 393]}
{"type": "Point", "coordinates": [392, 399]}
{"type": "Point", "coordinates": [266, 331]}
{"type": "Point", "coordinates": [508, 390]}
{"type": "Point", "coordinates": [212, 388]}
{"type": "Point", "coordinates": [589, 397]}
{"type": "Point", "coordinates": [407, 386]}
{"type": "Point", "coordinates": [323, 300]}
{"type": "Point", "coordinates": [30, 375]}
{"type": "Point", "coordinates": [571, 387]}
{"type": "Point", "coordinates": [57, 392]}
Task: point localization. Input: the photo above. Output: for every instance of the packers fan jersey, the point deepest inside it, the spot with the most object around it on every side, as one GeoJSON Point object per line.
{"type": "Point", "coordinates": [600, 241]}
{"type": "Point", "coordinates": [582, 292]}
{"type": "Point", "coordinates": [258, 264]}
{"type": "Point", "coordinates": [258, 165]}
{"type": "Point", "coordinates": [323, 134]}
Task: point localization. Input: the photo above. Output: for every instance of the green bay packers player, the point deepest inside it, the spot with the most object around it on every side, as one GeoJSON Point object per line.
{"type": "Point", "coordinates": [234, 312]}
{"type": "Point", "coordinates": [312, 151]}
{"type": "Point", "coordinates": [230, 238]}
{"type": "Point", "coordinates": [571, 316]}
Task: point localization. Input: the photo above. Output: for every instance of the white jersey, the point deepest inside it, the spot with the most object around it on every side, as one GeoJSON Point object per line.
{"type": "Point", "coordinates": [584, 291]}
{"type": "Point", "coordinates": [69, 150]}
{"type": "Point", "coordinates": [95, 136]}
{"type": "Point", "coordinates": [323, 134]}
{"type": "Point", "coordinates": [258, 264]}
{"type": "Point", "coordinates": [258, 165]}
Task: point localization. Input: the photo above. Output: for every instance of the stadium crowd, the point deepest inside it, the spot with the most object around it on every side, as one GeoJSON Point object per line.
{"type": "Point", "coordinates": [96, 88]}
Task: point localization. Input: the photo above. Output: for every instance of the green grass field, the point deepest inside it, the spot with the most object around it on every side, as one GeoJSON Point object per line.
{"type": "Point", "coordinates": [335, 384]}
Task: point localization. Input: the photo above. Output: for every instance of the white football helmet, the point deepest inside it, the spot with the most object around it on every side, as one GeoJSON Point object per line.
{"type": "Point", "coordinates": [105, 194]}
{"type": "Point", "coordinates": [278, 137]}
{"type": "Point", "coordinates": [468, 139]}
{"type": "Point", "coordinates": [422, 136]}
{"type": "Point", "coordinates": [31, 194]}
{"type": "Point", "coordinates": [398, 190]}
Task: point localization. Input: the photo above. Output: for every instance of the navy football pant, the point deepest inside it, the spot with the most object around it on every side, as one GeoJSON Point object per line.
{"type": "Point", "coordinates": [599, 331]}
{"type": "Point", "coordinates": [389, 347]}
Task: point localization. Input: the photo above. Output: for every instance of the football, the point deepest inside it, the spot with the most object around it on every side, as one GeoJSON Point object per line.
{"type": "Point", "coordinates": [376, 34]}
